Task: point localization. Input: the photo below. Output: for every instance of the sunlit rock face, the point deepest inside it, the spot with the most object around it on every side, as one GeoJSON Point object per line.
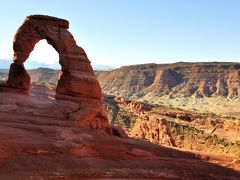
{"type": "Point", "coordinates": [77, 81]}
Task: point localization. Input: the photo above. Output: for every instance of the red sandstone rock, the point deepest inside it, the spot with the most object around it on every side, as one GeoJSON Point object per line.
{"type": "Point", "coordinates": [18, 77]}
{"type": "Point", "coordinates": [37, 142]}
{"type": "Point", "coordinates": [118, 131]}
{"type": "Point", "coordinates": [77, 77]}
{"type": "Point", "coordinates": [77, 81]}
{"type": "Point", "coordinates": [150, 81]}
{"type": "Point", "coordinates": [155, 130]}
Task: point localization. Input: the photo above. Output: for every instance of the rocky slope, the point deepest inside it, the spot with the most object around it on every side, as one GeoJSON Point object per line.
{"type": "Point", "coordinates": [37, 142]}
{"type": "Point", "coordinates": [174, 80]}
{"type": "Point", "coordinates": [176, 127]}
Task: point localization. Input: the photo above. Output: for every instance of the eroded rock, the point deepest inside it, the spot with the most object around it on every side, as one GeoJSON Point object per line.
{"type": "Point", "coordinates": [77, 81]}
{"type": "Point", "coordinates": [18, 77]}
{"type": "Point", "coordinates": [77, 78]}
{"type": "Point", "coordinates": [154, 130]}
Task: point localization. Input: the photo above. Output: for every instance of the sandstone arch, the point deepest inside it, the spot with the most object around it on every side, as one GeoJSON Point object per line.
{"type": "Point", "coordinates": [77, 81]}
{"type": "Point", "coordinates": [77, 78]}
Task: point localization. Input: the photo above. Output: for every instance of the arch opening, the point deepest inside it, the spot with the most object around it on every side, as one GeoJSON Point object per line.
{"type": "Point", "coordinates": [43, 55]}
{"type": "Point", "coordinates": [43, 67]}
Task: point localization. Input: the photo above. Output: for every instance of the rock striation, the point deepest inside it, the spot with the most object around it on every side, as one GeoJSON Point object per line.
{"type": "Point", "coordinates": [153, 129]}
{"type": "Point", "coordinates": [77, 81]}
{"type": "Point", "coordinates": [150, 81]}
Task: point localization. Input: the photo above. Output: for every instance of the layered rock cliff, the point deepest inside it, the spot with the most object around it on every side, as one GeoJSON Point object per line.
{"type": "Point", "coordinates": [174, 80]}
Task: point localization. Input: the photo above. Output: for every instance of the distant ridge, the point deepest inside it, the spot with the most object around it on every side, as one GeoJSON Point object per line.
{"type": "Point", "coordinates": [101, 67]}
{"type": "Point", "coordinates": [5, 64]}
{"type": "Point", "coordinates": [150, 81]}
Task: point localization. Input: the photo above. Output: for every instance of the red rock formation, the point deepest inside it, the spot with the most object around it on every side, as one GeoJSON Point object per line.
{"type": "Point", "coordinates": [221, 88]}
{"type": "Point", "coordinates": [154, 130]}
{"type": "Point", "coordinates": [150, 81]}
{"type": "Point", "coordinates": [38, 143]}
{"type": "Point", "coordinates": [77, 78]}
{"type": "Point", "coordinates": [134, 106]}
{"type": "Point", "coordinates": [18, 77]}
{"type": "Point", "coordinates": [118, 131]}
{"type": "Point", "coordinates": [77, 82]}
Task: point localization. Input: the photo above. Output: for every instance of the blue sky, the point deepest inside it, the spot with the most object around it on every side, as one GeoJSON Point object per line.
{"type": "Point", "coordinates": [123, 32]}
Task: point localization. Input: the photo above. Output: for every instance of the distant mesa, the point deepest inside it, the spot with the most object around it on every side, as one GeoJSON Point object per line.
{"type": "Point", "coordinates": [150, 81]}
{"type": "Point", "coordinates": [34, 64]}
{"type": "Point", "coordinates": [101, 67]}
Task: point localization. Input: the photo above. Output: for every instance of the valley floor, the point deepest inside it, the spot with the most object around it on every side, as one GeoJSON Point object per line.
{"type": "Point", "coordinates": [216, 105]}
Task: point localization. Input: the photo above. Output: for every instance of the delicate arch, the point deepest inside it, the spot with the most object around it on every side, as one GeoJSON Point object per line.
{"type": "Point", "coordinates": [77, 80]}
